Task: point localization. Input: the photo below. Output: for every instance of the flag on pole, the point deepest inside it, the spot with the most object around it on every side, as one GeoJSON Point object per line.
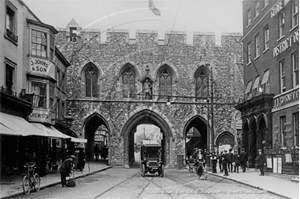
{"type": "Point", "coordinates": [153, 8]}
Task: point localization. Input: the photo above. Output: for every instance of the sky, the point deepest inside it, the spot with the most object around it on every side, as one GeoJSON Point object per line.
{"type": "Point", "coordinates": [217, 16]}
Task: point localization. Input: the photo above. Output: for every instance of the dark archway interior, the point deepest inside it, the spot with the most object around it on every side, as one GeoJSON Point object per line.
{"type": "Point", "coordinates": [143, 120]}
{"type": "Point", "coordinates": [92, 124]}
{"type": "Point", "coordinates": [196, 141]}
{"type": "Point", "coordinates": [253, 144]}
{"type": "Point", "coordinates": [246, 138]}
{"type": "Point", "coordinates": [261, 134]}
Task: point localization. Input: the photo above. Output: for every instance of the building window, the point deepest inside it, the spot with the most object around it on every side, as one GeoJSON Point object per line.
{"type": "Point", "coordinates": [51, 97]}
{"type": "Point", "coordinates": [281, 24]}
{"type": "Point", "coordinates": [62, 110]}
{"type": "Point", "coordinates": [266, 3]}
{"type": "Point", "coordinates": [40, 94]}
{"type": "Point", "coordinates": [128, 83]}
{"type": "Point", "coordinates": [52, 46]}
{"type": "Point", "coordinates": [295, 65]}
{"type": "Point", "coordinates": [58, 80]}
{"type": "Point", "coordinates": [201, 78]}
{"type": "Point", "coordinates": [249, 53]}
{"type": "Point", "coordinates": [91, 81]}
{"type": "Point", "coordinates": [295, 14]}
{"type": "Point", "coordinates": [63, 82]}
{"type": "Point", "coordinates": [257, 48]}
{"type": "Point", "coordinates": [266, 37]}
{"type": "Point", "coordinates": [282, 76]}
{"type": "Point", "coordinates": [58, 108]}
{"type": "Point", "coordinates": [296, 128]}
{"type": "Point", "coordinates": [165, 84]}
{"type": "Point", "coordinates": [38, 43]}
{"type": "Point", "coordinates": [9, 80]}
{"type": "Point", "coordinates": [248, 17]}
{"type": "Point", "coordinates": [282, 130]}
{"type": "Point", "coordinates": [256, 9]}
{"type": "Point", "coordinates": [11, 26]}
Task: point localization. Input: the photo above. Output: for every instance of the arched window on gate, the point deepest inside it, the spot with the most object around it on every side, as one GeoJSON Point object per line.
{"type": "Point", "coordinates": [91, 81]}
{"type": "Point", "coordinates": [128, 83]}
{"type": "Point", "coordinates": [201, 81]}
{"type": "Point", "coordinates": [165, 84]}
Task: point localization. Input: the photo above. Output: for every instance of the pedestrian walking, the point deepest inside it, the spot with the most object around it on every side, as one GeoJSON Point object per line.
{"type": "Point", "coordinates": [66, 169]}
{"type": "Point", "coordinates": [261, 162]}
{"type": "Point", "coordinates": [243, 158]}
{"type": "Point", "coordinates": [200, 160]}
{"type": "Point", "coordinates": [96, 152]}
{"type": "Point", "coordinates": [81, 159]}
{"type": "Point", "coordinates": [204, 157]}
{"type": "Point", "coordinates": [219, 157]}
{"type": "Point", "coordinates": [214, 161]}
{"type": "Point", "coordinates": [230, 160]}
{"type": "Point", "coordinates": [236, 161]}
{"type": "Point", "coordinates": [225, 162]}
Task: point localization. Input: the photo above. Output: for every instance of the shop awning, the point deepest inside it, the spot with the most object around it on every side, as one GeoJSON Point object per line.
{"type": "Point", "coordinates": [50, 131]}
{"type": "Point", "coordinates": [265, 77]}
{"type": "Point", "coordinates": [7, 131]}
{"type": "Point", "coordinates": [255, 85]}
{"type": "Point", "coordinates": [248, 88]}
{"type": "Point", "coordinates": [19, 126]}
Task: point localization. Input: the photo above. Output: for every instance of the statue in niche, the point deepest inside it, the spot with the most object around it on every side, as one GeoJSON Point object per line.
{"type": "Point", "coordinates": [147, 88]}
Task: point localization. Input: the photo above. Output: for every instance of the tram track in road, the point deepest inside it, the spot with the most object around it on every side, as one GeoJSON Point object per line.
{"type": "Point", "coordinates": [151, 181]}
{"type": "Point", "coordinates": [113, 187]}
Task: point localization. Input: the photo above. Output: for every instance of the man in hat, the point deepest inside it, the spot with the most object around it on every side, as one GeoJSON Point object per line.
{"type": "Point", "coordinates": [243, 158]}
{"type": "Point", "coordinates": [261, 161]}
{"type": "Point", "coordinates": [66, 169]}
{"type": "Point", "coordinates": [225, 162]}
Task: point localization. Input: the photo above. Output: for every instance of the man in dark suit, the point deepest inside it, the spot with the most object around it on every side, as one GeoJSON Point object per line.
{"type": "Point", "coordinates": [261, 161]}
{"type": "Point", "coordinates": [230, 160]}
{"type": "Point", "coordinates": [225, 162]}
{"type": "Point", "coordinates": [243, 158]}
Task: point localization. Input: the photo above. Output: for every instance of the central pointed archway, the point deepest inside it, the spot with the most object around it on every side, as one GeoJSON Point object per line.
{"type": "Point", "coordinates": [145, 117]}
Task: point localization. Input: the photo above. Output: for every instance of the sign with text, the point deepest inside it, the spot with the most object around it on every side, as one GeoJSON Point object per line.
{"type": "Point", "coordinates": [39, 115]}
{"type": "Point", "coordinates": [287, 98]}
{"type": "Point", "coordinates": [286, 43]}
{"type": "Point", "coordinates": [40, 66]}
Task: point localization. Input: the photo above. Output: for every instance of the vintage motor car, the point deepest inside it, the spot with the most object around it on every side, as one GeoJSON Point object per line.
{"type": "Point", "coordinates": [151, 161]}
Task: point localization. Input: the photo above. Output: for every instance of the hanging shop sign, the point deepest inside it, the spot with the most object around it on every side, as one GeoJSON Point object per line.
{"type": "Point", "coordinates": [39, 66]}
{"type": "Point", "coordinates": [287, 98]}
{"type": "Point", "coordinates": [44, 116]}
{"type": "Point", "coordinates": [286, 43]}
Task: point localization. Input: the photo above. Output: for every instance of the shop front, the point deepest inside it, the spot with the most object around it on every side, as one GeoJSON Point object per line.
{"type": "Point", "coordinates": [284, 157]}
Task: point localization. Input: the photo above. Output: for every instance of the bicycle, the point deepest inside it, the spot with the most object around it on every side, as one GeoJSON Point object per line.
{"type": "Point", "coordinates": [31, 180]}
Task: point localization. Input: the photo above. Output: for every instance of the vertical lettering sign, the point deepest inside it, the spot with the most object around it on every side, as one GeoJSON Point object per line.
{"type": "Point", "coordinates": [40, 66]}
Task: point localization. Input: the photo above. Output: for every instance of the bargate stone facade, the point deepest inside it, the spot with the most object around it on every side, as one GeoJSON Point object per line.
{"type": "Point", "coordinates": [121, 106]}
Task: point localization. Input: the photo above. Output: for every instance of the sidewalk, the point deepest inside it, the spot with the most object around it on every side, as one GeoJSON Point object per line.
{"type": "Point", "coordinates": [12, 185]}
{"type": "Point", "coordinates": [283, 187]}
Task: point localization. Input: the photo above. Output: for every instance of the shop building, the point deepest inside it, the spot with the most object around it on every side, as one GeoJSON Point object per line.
{"type": "Point", "coordinates": [33, 91]}
{"type": "Point", "coordinates": [270, 109]}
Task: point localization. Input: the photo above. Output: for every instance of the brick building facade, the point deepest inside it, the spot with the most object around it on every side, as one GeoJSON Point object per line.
{"type": "Point", "coordinates": [122, 82]}
{"type": "Point", "coordinates": [270, 111]}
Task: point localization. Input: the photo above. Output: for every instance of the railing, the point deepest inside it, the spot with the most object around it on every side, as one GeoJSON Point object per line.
{"type": "Point", "coordinates": [11, 35]}
{"type": "Point", "coordinates": [22, 95]}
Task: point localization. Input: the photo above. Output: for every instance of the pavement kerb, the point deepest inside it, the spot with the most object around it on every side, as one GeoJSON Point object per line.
{"type": "Point", "coordinates": [57, 183]}
{"type": "Point", "coordinates": [256, 187]}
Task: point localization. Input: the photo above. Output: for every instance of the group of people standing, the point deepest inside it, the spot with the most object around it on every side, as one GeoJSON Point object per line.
{"type": "Point", "coordinates": [229, 161]}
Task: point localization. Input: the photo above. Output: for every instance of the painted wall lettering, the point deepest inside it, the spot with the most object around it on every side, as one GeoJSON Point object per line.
{"type": "Point", "coordinates": [287, 43]}
{"type": "Point", "coordinates": [39, 66]}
